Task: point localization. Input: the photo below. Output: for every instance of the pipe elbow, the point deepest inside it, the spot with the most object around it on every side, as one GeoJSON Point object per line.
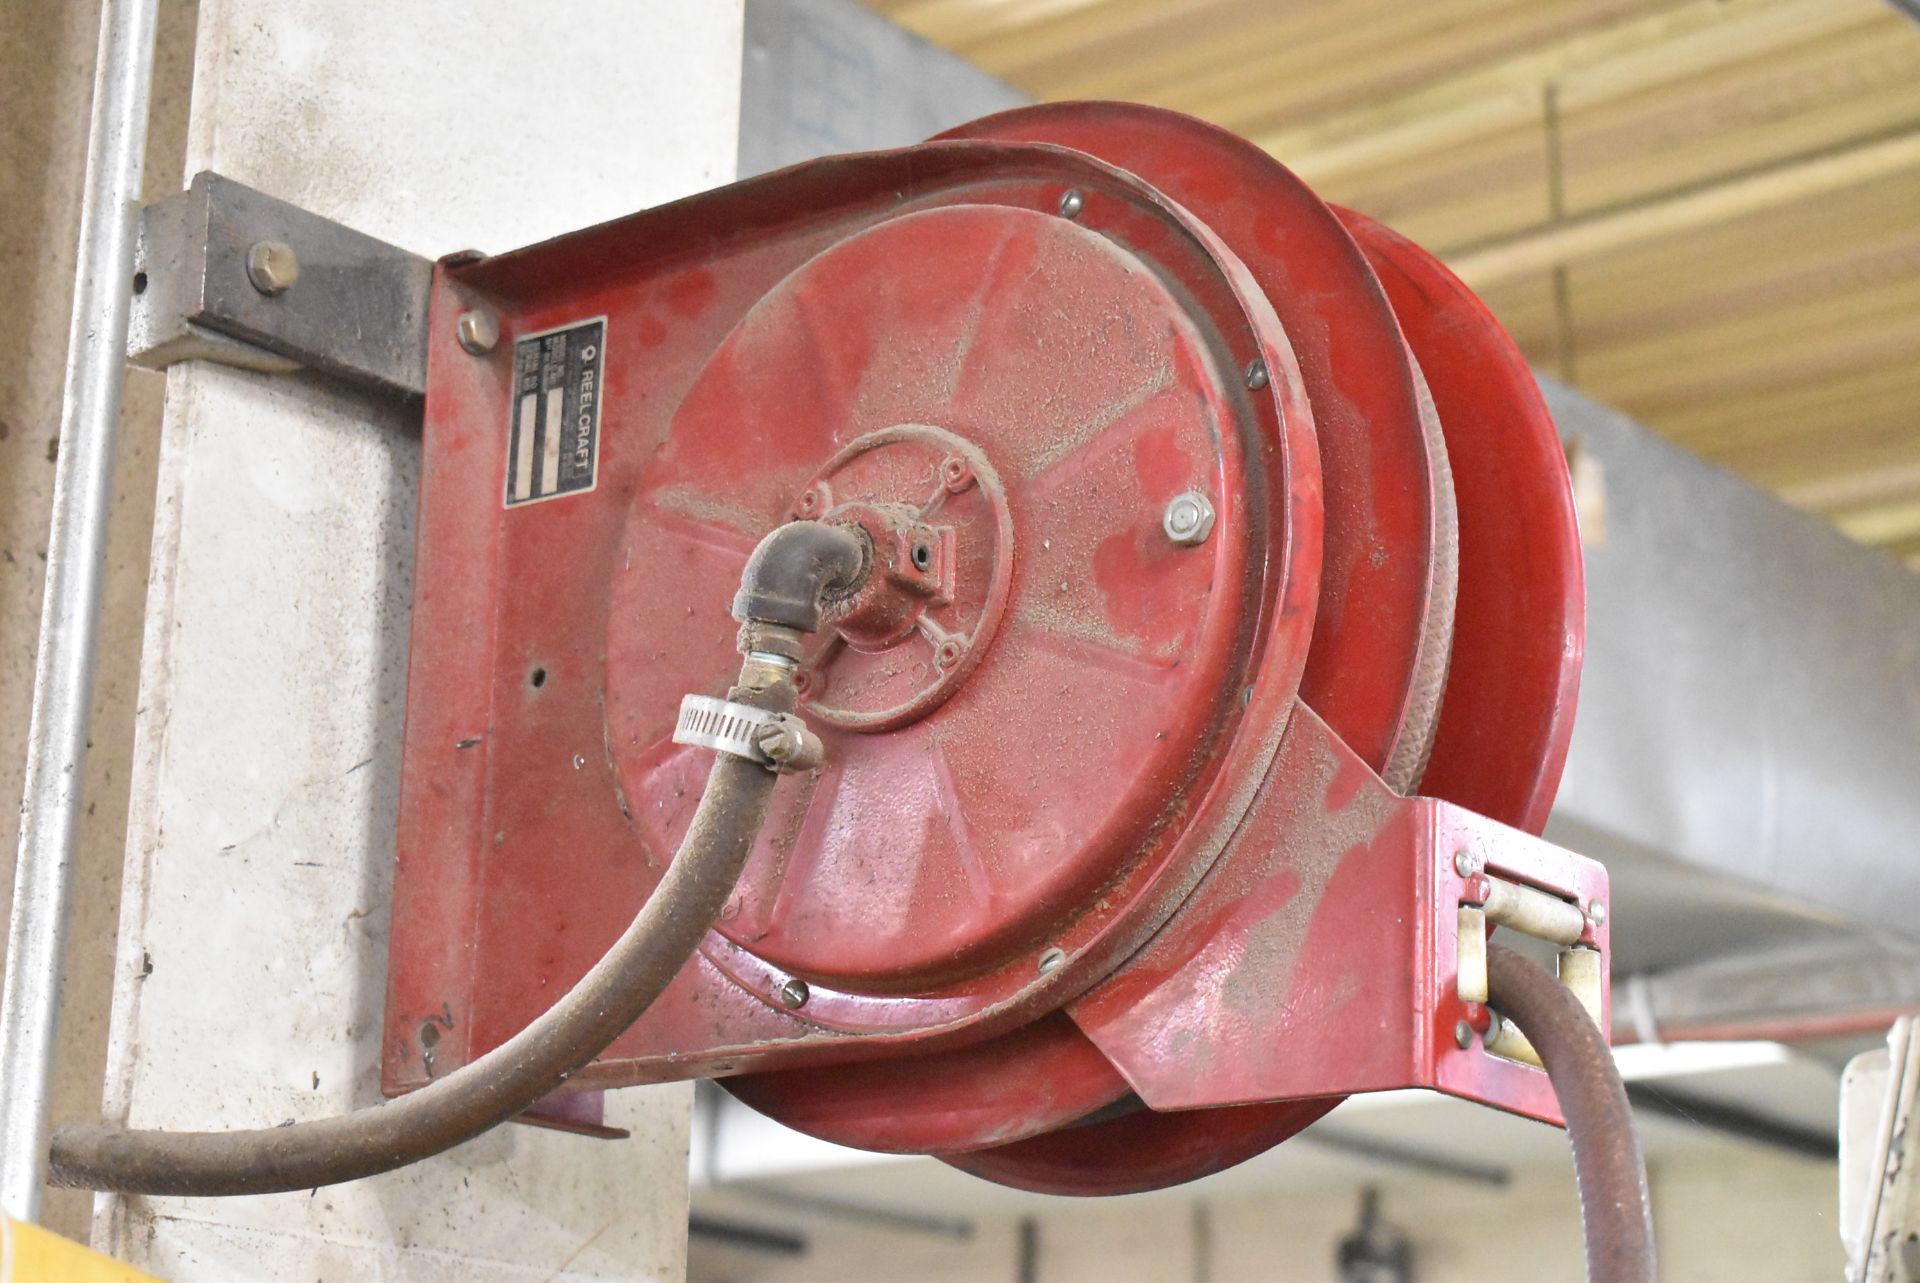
{"type": "Point", "coordinates": [795, 568]}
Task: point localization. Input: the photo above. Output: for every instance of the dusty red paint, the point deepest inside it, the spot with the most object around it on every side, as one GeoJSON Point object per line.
{"type": "Point", "coordinates": [1161, 762]}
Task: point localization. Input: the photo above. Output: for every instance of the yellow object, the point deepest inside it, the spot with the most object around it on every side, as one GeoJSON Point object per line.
{"type": "Point", "coordinates": [29, 1254]}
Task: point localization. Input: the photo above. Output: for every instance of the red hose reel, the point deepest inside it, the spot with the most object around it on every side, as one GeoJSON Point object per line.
{"type": "Point", "coordinates": [1222, 646]}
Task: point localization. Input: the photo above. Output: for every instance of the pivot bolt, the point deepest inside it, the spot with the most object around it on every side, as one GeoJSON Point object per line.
{"type": "Point", "coordinates": [272, 267]}
{"type": "Point", "coordinates": [794, 994]}
{"type": "Point", "coordinates": [478, 331]}
{"type": "Point", "coordinates": [1189, 519]}
{"type": "Point", "coordinates": [1463, 1034]}
{"type": "Point", "coordinates": [1464, 864]}
{"type": "Point", "coordinates": [1072, 203]}
{"type": "Point", "coordinates": [1597, 913]}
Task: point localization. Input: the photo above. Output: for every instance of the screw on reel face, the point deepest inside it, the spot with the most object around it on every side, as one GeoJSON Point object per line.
{"type": "Point", "coordinates": [1189, 519]}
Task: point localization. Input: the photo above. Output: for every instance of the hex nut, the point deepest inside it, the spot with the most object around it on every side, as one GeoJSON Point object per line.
{"type": "Point", "coordinates": [272, 267]}
{"type": "Point", "coordinates": [478, 331]}
{"type": "Point", "coordinates": [1189, 519]}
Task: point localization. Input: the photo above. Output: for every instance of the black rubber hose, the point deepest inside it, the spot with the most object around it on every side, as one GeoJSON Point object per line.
{"type": "Point", "coordinates": [538, 1059]}
{"type": "Point", "coordinates": [1607, 1163]}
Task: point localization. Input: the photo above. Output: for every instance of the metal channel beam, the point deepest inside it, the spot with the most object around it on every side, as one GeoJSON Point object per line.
{"type": "Point", "coordinates": [1747, 747]}
{"type": "Point", "coordinates": [335, 300]}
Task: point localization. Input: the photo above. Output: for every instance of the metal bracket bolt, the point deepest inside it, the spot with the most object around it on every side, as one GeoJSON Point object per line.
{"type": "Point", "coordinates": [272, 266]}
{"type": "Point", "coordinates": [1072, 203]}
{"type": "Point", "coordinates": [794, 994]}
{"type": "Point", "coordinates": [478, 331]}
{"type": "Point", "coordinates": [1189, 519]}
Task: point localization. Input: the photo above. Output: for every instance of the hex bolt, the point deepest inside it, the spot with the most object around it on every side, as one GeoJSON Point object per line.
{"type": "Point", "coordinates": [794, 994]}
{"type": "Point", "coordinates": [1463, 1034]}
{"type": "Point", "coordinates": [1072, 203]}
{"type": "Point", "coordinates": [1189, 519]}
{"type": "Point", "coordinates": [478, 331]}
{"type": "Point", "coordinates": [1257, 375]}
{"type": "Point", "coordinates": [272, 267]}
{"type": "Point", "coordinates": [1051, 960]}
{"type": "Point", "coordinates": [1464, 864]}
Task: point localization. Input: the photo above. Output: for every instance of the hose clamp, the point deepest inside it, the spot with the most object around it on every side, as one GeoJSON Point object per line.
{"type": "Point", "coordinates": [777, 741]}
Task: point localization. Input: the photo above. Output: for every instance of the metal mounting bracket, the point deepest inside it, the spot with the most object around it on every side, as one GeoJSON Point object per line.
{"type": "Point", "coordinates": [225, 273]}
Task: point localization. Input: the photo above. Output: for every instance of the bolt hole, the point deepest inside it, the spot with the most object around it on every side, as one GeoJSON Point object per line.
{"type": "Point", "coordinates": [922, 556]}
{"type": "Point", "coordinates": [537, 678]}
{"type": "Point", "coordinates": [139, 282]}
{"type": "Point", "coordinates": [429, 1034]}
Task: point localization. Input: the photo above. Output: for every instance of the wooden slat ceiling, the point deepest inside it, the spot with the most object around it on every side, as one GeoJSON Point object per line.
{"type": "Point", "coordinates": [1704, 212]}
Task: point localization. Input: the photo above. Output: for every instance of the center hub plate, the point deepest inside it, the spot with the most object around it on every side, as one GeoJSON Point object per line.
{"type": "Point", "coordinates": [937, 516]}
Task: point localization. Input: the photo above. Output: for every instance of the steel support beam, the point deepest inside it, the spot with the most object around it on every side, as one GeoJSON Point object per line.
{"type": "Point", "coordinates": [343, 303]}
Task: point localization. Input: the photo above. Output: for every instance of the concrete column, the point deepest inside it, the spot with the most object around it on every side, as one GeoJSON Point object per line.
{"type": "Point", "coordinates": [253, 942]}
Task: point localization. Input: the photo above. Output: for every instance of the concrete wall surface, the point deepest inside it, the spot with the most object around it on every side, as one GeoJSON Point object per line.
{"type": "Point", "coordinates": [253, 929]}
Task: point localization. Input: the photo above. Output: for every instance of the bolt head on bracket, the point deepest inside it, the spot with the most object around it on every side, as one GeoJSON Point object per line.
{"type": "Point", "coordinates": [272, 266]}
